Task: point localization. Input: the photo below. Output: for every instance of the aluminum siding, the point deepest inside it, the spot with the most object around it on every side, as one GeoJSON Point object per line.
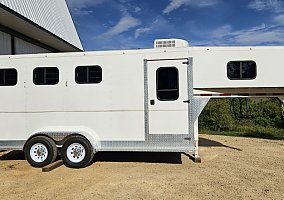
{"type": "Point", "coordinates": [52, 15]}
{"type": "Point", "coordinates": [5, 43]}
{"type": "Point", "coordinates": [23, 47]}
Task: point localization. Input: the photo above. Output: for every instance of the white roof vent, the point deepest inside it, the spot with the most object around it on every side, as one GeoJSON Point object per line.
{"type": "Point", "coordinates": [170, 43]}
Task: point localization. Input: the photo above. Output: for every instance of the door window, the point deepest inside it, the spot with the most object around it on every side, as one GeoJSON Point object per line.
{"type": "Point", "coordinates": [167, 84]}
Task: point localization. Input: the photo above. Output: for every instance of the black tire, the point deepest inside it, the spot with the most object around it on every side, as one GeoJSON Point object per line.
{"type": "Point", "coordinates": [50, 147]}
{"type": "Point", "coordinates": [80, 145]}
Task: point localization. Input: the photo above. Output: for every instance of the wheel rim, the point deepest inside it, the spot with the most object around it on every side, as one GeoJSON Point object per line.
{"type": "Point", "coordinates": [76, 152]}
{"type": "Point", "coordinates": [38, 152]}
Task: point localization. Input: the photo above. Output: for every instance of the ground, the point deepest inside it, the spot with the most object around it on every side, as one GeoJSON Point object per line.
{"type": "Point", "coordinates": [231, 168]}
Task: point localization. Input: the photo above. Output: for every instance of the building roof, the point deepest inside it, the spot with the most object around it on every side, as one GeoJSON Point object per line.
{"type": "Point", "coordinates": [48, 22]}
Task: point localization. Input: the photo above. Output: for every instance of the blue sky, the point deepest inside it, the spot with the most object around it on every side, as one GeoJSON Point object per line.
{"type": "Point", "coordinates": [132, 24]}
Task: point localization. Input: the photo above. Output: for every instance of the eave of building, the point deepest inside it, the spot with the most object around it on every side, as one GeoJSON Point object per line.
{"type": "Point", "coordinates": [18, 23]}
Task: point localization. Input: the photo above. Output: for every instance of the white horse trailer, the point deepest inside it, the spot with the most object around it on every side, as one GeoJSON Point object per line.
{"type": "Point", "coordinates": [134, 100]}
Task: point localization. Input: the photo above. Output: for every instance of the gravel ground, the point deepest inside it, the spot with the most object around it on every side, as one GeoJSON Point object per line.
{"type": "Point", "coordinates": [231, 168]}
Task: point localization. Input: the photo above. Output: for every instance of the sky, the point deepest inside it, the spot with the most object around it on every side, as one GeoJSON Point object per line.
{"type": "Point", "coordinates": [133, 24]}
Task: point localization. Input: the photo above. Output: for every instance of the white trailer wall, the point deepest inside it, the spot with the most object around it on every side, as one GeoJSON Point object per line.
{"type": "Point", "coordinates": [5, 44]}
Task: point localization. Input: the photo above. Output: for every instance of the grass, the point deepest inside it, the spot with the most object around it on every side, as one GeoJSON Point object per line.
{"type": "Point", "coordinates": [254, 132]}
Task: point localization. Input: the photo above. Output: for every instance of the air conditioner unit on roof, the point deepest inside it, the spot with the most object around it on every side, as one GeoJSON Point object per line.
{"type": "Point", "coordinates": [170, 43]}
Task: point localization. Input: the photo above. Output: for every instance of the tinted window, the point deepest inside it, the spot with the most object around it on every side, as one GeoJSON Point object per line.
{"type": "Point", "coordinates": [46, 76]}
{"type": "Point", "coordinates": [167, 84]}
{"type": "Point", "coordinates": [88, 74]}
{"type": "Point", "coordinates": [8, 77]}
{"type": "Point", "coordinates": [241, 70]}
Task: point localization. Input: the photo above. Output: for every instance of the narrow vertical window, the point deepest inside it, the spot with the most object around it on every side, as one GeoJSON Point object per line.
{"type": "Point", "coordinates": [167, 84]}
{"type": "Point", "coordinates": [8, 77]}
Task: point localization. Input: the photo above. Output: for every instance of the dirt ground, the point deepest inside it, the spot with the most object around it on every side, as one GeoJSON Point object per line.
{"type": "Point", "coordinates": [231, 168]}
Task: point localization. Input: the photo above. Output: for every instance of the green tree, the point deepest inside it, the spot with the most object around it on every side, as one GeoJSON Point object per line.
{"type": "Point", "coordinates": [217, 116]}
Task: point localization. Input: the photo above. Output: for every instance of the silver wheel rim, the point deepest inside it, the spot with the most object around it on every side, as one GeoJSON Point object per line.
{"type": "Point", "coordinates": [38, 152]}
{"type": "Point", "coordinates": [76, 152]}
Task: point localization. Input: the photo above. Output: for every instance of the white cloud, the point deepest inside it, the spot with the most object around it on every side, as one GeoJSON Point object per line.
{"type": "Point", "coordinates": [175, 4]}
{"type": "Point", "coordinates": [139, 31]}
{"type": "Point", "coordinates": [258, 35]}
{"type": "Point", "coordinates": [137, 9]}
{"type": "Point", "coordinates": [79, 4]}
{"type": "Point", "coordinates": [125, 23]}
{"type": "Point", "coordinates": [158, 25]}
{"type": "Point", "coordinates": [81, 12]}
{"type": "Point", "coordinates": [222, 31]}
{"type": "Point", "coordinates": [121, 42]}
{"type": "Point", "coordinates": [272, 5]}
{"type": "Point", "coordinates": [279, 19]}
{"type": "Point", "coordinates": [80, 7]}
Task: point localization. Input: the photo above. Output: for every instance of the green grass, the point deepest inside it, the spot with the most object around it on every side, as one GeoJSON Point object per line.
{"type": "Point", "coordinates": [254, 132]}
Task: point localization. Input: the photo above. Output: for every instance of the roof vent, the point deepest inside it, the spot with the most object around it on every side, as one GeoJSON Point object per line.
{"type": "Point", "coordinates": [170, 43]}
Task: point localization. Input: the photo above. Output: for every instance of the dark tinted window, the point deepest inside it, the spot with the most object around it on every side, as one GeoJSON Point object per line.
{"type": "Point", "coordinates": [8, 77]}
{"type": "Point", "coordinates": [88, 74]}
{"type": "Point", "coordinates": [167, 84]}
{"type": "Point", "coordinates": [46, 76]}
{"type": "Point", "coordinates": [241, 70]}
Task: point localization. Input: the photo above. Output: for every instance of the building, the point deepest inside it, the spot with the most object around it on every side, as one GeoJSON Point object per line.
{"type": "Point", "coordinates": [33, 26]}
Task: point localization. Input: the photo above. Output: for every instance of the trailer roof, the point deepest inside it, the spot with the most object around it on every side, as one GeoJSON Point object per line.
{"type": "Point", "coordinates": [143, 51]}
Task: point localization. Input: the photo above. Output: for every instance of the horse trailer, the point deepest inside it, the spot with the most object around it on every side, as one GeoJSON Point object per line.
{"type": "Point", "coordinates": [128, 100]}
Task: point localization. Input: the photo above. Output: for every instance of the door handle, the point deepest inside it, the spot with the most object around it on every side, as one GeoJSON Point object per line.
{"type": "Point", "coordinates": [152, 102]}
{"type": "Point", "coordinates": [186, 101]}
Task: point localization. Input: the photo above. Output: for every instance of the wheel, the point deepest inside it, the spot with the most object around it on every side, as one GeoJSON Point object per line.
{"type": "Point", "coordinates": [40, 151]}
{"type": "Point", "coordinates": [77, 152]}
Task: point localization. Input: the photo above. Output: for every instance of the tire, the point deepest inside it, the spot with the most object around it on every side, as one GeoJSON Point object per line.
{"type": "Point", "coordinates": [77, 152]}
{"type": "Point", "coordinates": [40, 151]}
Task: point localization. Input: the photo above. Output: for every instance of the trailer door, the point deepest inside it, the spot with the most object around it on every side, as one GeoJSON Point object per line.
{"type": "Point", "coordinates": [167, 96]}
